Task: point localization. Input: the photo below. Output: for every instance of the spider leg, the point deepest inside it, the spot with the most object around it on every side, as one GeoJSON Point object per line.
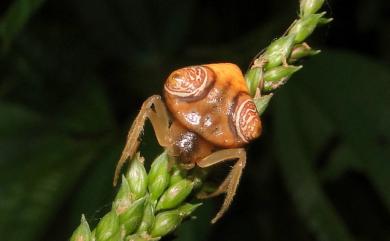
{"type": "Point", "coordinates": [160, 121]}
{"type": "Point", "coordinates": [230, 184]}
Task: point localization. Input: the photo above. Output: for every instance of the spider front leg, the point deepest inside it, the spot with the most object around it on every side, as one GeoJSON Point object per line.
{"type": "Point", "coordinates": [230, 184]}
{"type": "Point", "coordinates": [160, 121]}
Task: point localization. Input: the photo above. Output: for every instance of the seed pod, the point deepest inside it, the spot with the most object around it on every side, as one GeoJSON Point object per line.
{"type": "Point", "coordinates": [278, 50]}
{"type": "Point", "coordinates": [116, 237]}
{"type": "Point", "coordinates": [175, 195]}
{"type": "Point", "coordinates": [93, 235]}
{"type": "Point", "coordinates": [301, 51]}
{"type": "Point", "coordinates": [124, 190]}
{"type": "Point", "coordinates": [278, 76]}
{"type": "Point", "coordinates": [108, 227]}
{"type": "Point", "coordinates": [82, 233]}
{"type": "Point", "coordinates": [147, 219]}
{"type": "Point", "coordinates": [165, 223]}
{"type": "Point", "coordinates": [308, 7]}
{"type": "Point", "coordinates": [262, 103]}
{"type": "Point", "coordinates": [186, 209]}
{"type": "Point", "coordinates": [324, 21]}
{"type": "Point", "coordinates": [132, 217]}
{"type": "Point", "coordinates": [137, 237]}
{"type": "Point", "coordinates": [177, 175]}
{"type": "Point", "coordinates": [158, 178]}
{"type": "Point", "coordinates": [123, 199]}
{"type": "Point", "coordinates": [303, 27]}
{"type": "Point", "coordinates": [137, 177]}
{"type": "Point", "coordinates": [253, 78]}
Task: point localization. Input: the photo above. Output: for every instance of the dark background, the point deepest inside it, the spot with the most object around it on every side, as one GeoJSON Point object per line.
{"type": "Point", "coordinates": [74, 73]}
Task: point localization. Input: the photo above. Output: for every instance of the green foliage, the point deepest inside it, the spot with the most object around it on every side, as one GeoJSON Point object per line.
{"type": "Point", "coordinates": [36, 162]}
{"type": "Point", "coordinates": [333, 104]}
{"type": "Point", "coordinates": [14, 20]}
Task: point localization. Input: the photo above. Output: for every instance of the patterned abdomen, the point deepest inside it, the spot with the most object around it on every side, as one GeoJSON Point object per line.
{"type": "Point", "coordinates": [190, 82]}
{"type": "Point", "coordinates": [213, 101]}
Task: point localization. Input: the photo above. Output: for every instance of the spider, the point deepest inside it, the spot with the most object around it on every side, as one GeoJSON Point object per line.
{"type": "Point", "coordinates": [206, 117]}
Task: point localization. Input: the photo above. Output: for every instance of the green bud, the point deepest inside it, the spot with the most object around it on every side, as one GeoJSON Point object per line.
{"type": "Point", "coordinates": [147, 219]}
{"type": "Point", "coordinates": [116, 237]}
{"type": "Point", "coordinates": [137, 237]}
{"type": "Point", "coordinates": [308, 7]}
{"type": "Point", "coordinates": [278, 51]}
{"type": "Point", "coordinates": [262, 103]}
{"type": "Point", "coordinates": [175, 195]}
{"type": "Point", "coordinates": [137, 177]}
{"type": "Point", "coordinates": [324, 21]}
{"type": "Point", "coordinates": [82, 233]}
{"type": "Point", "coordinates": [303, 27]}
{"type": "Point", "coordinates": [277, 76]}
{"type": "Point", "coordinates": [186, 209]}
{"type": "Point", "coordinates": [158, 178]}
{"type": "Point", "coordinates": [93, 235]}
{"type": "Point", "coordinates": [253, 78]}
{"type": "Point", "coordinates": [177, 175]}
{"type": "Point", "coordinates": [165, 223]}
{"type": "Point", "coordinates": [132, 217]}
{"type": "Point", "coordinates": [123, 198]}
{"type": "Point", "coordinates": [301, 51]}
{"type": "Point", "coordinates": [108, 227]}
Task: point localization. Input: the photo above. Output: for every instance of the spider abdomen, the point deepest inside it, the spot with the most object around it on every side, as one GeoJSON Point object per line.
{"type": "Point", "coordinates": [213, 101]}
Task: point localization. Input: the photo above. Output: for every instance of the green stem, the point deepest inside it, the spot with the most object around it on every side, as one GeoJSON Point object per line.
{"type": "Point", "coordinates": [150, 205]}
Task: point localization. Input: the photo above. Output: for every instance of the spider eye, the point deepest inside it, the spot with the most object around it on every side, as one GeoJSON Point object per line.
{"type": "Point", "coordinates": [189, 82]}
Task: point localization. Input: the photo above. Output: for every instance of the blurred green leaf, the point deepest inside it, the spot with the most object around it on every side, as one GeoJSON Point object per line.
{"type": "Point", "coordinates": [356, 101]}
{"type": "Point", "coordinates": [86, 111]}
{"type": "Point", "coordinates": [300, 176]}
{"type": "Point", "coordinates": [15, 18]}
{"type": "Point", "coordinates": [43, 157]}
{"type": "Point", "coordinates": [37, 175]}
{"type": "Point", "coordinates": [342, 159]}
{"type": "Point", "coordinates": [339, 94]}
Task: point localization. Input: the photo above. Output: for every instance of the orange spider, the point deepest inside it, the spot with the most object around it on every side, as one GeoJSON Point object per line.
{"type": "Point", "coordinates": [207, 118]}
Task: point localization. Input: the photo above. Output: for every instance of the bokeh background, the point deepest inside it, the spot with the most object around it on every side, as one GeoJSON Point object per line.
{"type": "Point", "coordinates": [74, 73]}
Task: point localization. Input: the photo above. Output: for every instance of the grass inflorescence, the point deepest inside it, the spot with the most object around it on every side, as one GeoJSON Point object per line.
{"type": "Point", "coordinates": [150, 205]}
{"type": "Point", "coordinates": [147, 205]}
